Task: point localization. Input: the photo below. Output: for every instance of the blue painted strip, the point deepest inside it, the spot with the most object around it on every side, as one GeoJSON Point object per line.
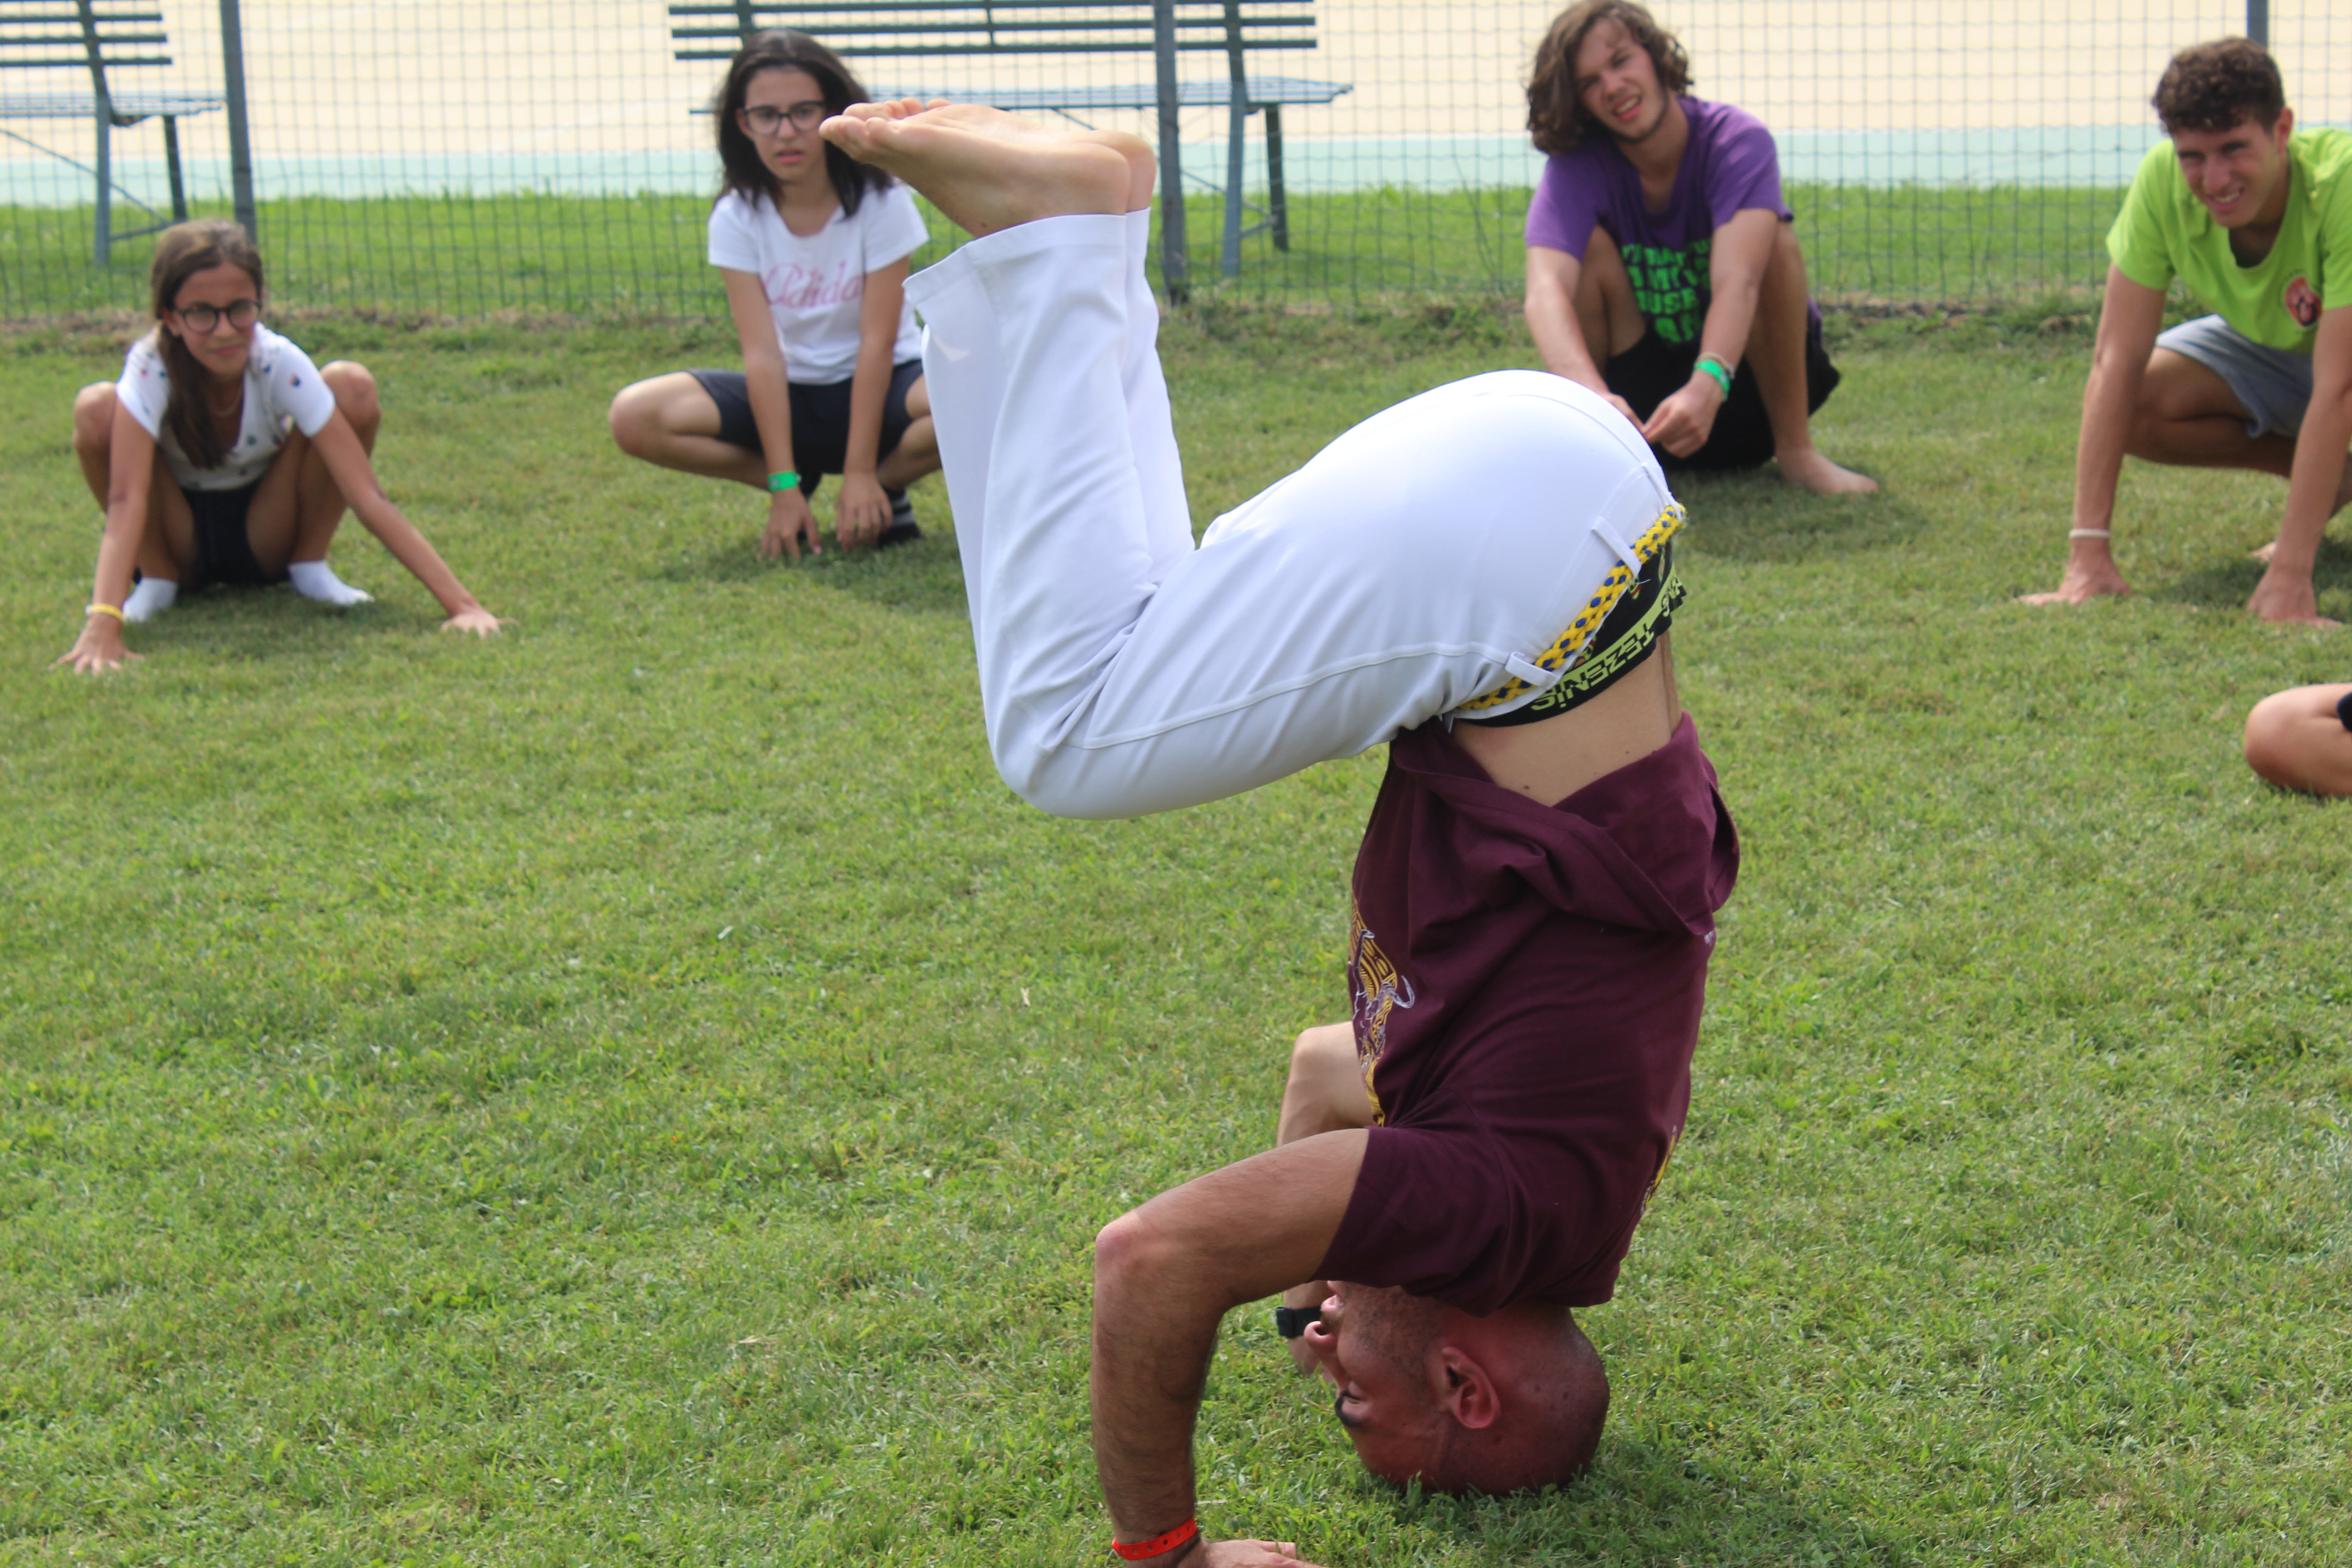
{"type": "Point", "coordinates": [2055, 155]}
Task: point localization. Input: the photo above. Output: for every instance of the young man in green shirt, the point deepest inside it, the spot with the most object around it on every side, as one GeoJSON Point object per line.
{"type": "Point", "coordinates": [2255, 218]}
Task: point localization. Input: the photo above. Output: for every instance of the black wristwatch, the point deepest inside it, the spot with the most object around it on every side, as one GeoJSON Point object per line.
{"type": "Point", "coordinates": [1291, 1321]}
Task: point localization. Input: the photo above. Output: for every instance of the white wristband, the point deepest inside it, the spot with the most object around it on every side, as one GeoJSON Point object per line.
{"type": "Point", "coordinates": [2089, 533]}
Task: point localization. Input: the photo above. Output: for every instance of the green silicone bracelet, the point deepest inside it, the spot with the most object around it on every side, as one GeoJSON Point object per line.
{"type": "Point", "coordinates": [779, 483]}
{"type": "Point", "coordinates": [1718, 370]}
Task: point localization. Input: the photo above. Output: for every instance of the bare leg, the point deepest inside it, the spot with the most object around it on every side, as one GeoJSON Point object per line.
{"type": "Point", "coordinates": [93, 435]}
{"type": "Point", "coordinates": [671, 422]}
{"type": "Point", "coordinates": [1605, 309]}
{"type": "Point", "coordinates": [1325, 1093]}
{"type": "Point", "coordinates": [917, 451]}
{"type": "Point", "coordinates": [299, 506]}
{"type": "Point", "coordinates": [2295, 741]}
{"type": "Point", "coordinates": [1776, 357]}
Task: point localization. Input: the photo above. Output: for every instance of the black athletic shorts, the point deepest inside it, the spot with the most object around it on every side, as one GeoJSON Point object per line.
{"type": "Point", "coordinates": [820, 419]}
{"type": "Point", "coordinates": [224, 550]}
{"type": "Point", "coordinates": [1654, 370]}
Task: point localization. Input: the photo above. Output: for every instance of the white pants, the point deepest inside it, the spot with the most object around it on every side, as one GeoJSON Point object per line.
{"type": "Point", "coordinates": [1426, 556]}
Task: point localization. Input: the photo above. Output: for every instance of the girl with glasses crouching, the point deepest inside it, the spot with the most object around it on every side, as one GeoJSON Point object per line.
{"type": "Point", "coordinates": [224, 456]}
{"type": "Point", "coordinates": [814, 249]}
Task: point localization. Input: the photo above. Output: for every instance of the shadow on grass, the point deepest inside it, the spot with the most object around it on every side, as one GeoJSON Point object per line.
{"type": "Point", "coordinates": [1643, 1503]}
{"type": "Point", "coordinates": [925, 576]}
{"type": "Point", "coordinates": [271, 623]}
{"type": "Point", "coordinates": [1760, 517]}
{"type": "Point", "coordinates": [2226, 580]}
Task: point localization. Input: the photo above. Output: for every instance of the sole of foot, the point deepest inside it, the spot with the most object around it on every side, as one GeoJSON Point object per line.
{"type": "Point", "coordinates": [988, 170]}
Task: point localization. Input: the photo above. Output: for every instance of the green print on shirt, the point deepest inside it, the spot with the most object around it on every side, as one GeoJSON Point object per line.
{"type": "Point", "coordinates": [1666, 285]}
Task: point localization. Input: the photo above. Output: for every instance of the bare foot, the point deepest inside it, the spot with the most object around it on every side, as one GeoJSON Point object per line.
{"type": "Point", "coordinates": [988, 170]}
{"type": "Point", "coordinates": [1823, 477]}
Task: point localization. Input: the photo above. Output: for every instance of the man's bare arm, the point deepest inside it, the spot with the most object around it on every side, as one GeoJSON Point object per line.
{"type": "Point", "coordinates": [1736, 256]}
{"type": "Point", "coordinates": [1165, 1275]}
{"type": "Point", "coordinates": [2130, 315]}
{"type": "Point", "coordinates": [2286, 593]}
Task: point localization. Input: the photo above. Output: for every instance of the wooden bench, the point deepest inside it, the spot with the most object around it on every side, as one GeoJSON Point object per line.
{"type": "Point", "coordinates": [1162, 29]}
{"type": "Point", "coordinates": [96, 35]}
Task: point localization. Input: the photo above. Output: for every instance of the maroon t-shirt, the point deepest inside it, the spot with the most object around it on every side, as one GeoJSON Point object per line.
{"type": "Point", "coordinates": [1528, 982]}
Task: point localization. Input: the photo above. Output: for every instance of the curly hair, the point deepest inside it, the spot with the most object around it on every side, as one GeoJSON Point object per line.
{"type": "Point", "coordinates": [2212, 87]}
{"type": "Point", "coordinates": [781, 48]}
{"type": "Point", "coordinates": [1556, 119]}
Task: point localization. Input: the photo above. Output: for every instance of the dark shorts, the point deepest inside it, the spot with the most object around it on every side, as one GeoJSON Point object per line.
{"type": "Point", "coordinates": [224, 550]}
{"type": "Point", "coordinates": [820, 419]}
{"type": "Point", "coordinates": [1654, 370]}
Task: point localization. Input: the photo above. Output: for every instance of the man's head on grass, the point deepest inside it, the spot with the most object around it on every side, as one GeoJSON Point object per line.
{"type": "Point", "coordinates": [1500, 1404]}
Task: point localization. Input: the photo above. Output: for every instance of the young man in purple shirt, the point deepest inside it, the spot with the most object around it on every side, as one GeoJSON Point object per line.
{"type": "Point", "coordinates": [1662, 267]}
{"type": "Point", "coordinates": [1465, 1160]}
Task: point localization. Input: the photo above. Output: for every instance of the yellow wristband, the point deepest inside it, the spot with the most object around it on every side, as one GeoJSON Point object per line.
{"type": "Point", "coordinates": [97, 609]}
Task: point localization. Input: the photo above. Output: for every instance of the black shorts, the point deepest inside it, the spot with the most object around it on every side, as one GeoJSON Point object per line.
{"type": "Point", "coordinates": [224, 550]}
{"type": "Point", "coordinates": [1654, 370]}
{"type": "Point", "coordinates": [820, 419]}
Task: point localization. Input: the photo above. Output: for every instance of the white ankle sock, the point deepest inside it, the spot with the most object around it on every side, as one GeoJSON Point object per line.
{"type": "Point", "coordinates": [150, 598]}
{"type": "Point", "coordinates": [317, 579]}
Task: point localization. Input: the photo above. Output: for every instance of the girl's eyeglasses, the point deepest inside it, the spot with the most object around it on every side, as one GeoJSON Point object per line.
{"type": "Point", "coordinates": [204, 318]}
{"type": "Point", "coordinates": [765, 120]}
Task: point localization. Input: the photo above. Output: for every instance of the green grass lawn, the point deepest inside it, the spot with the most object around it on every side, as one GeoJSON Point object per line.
{"type": "Point", "coordinates": [643, 1091]}
{"type": "Point", "coordinates": [629, 258]}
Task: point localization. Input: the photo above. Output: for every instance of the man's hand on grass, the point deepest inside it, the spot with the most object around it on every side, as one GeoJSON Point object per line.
{"type": "Point", "coordinates": [2286, 598]}
{"type": "Point", "coordinates": [2089, 575]}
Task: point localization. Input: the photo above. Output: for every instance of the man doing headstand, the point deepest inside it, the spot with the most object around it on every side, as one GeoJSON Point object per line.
{"type": "Point", "coordinates": [2256, 217]}
{"type": "Point", "coordinates": [1533, 901]}
{"type": "Point", "coordinates": [1662, 267]}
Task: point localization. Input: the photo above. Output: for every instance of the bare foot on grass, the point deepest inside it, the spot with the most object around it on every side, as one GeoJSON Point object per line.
{"type": "Point", "coordinates": [1823, 477]}
{"type": "Point", "coordinates": [988, 170]}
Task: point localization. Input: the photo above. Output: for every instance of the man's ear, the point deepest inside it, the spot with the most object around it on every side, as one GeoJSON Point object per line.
{"type": "Point", "coordinates": [1467, 1390]}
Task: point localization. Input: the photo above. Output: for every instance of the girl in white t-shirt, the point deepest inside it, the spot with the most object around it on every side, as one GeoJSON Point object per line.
{"type": "Point", "coordinates": [224, 456]}
{"type": "Point", "coordinates": [814, 249]}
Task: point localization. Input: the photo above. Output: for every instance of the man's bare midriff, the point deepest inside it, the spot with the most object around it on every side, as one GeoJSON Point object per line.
{"type": "Point", "coordinates": [1553, 757]}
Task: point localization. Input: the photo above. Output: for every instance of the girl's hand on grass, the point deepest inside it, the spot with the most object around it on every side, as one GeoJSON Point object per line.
{"type": "Point", "coordinates": [861, 511]}
{"type": "Point", "coordinates": [99, 647]}
{"type": "Point", "coordinates": [789, 524]}
{"type": "Point", "coordinates": [476, 620]}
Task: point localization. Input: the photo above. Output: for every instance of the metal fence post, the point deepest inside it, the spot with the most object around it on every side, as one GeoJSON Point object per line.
{"type": "Point", "coordinates": [240, 145]}
{"type": "Point", "coordinates": [1171, 174]}
{"type": "Point", "coordinates": [2258, 21]}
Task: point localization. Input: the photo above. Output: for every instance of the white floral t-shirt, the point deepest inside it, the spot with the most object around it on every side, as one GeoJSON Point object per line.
{"type": "Point", "coordinates": [283, 393]}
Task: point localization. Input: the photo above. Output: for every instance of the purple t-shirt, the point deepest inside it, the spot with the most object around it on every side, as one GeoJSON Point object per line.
{"type": "Point", "coordinates": [1528, 982]}
{"type": "Point", "coordinates": [1729, 166]}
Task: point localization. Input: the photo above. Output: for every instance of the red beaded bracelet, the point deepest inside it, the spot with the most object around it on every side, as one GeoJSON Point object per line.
{"type": "Point", "coordinates": [1158, 1546]}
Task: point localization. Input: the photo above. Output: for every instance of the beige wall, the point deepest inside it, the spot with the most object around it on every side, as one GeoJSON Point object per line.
{"type": "Point", "coordinates": [435, 78]}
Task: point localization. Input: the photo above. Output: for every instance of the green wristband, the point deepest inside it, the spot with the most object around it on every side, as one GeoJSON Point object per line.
{"type": "Point", "coordinates": [779, 483]}
{"type": "Point", "coordinates": [1718, 370]}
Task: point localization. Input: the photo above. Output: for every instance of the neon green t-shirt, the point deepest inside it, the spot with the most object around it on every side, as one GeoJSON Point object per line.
{"type": "Point", "coordinates": [2164, 232]}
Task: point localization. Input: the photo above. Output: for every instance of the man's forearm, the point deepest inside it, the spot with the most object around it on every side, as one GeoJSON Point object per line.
{"type": "Point", "coordinates": [1152, 1342]}
{"type": "Point", "coordinates": [1165, 1275]}
{"type": "Point", "coordinates": [2099, 450]}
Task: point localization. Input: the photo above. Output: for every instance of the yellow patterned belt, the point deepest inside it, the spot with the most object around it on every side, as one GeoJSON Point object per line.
{"type": "Point", "coordinates": [1565, 648]}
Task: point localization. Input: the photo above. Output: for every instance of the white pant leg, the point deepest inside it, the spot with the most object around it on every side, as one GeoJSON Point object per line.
{"type": "Point", "coordinates": [1418, 561]}
{"type": "Point", "coordinates": [1150, 423]}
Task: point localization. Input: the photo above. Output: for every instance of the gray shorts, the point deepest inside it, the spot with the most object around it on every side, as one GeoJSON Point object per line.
{"type": "Point", "coordinates": [2273, 385]}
